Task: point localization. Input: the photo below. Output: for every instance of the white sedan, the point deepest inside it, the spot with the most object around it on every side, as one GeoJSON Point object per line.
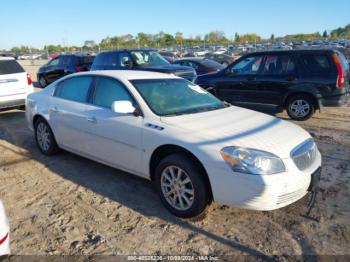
{"type": "Point", "coordinates": [4, 232]}
{"type": "Point", "coordinates": [195, 148]}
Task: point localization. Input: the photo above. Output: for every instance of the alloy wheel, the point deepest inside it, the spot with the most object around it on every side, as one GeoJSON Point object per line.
{"type": "Point", "coordinates": [177, 188]}
{"type": "Point", "coordinates": [300, 108]}
{"type": "Point", "coordinates": [43, 136]}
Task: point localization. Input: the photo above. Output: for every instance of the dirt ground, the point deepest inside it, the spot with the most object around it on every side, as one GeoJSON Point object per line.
{"type": "Point", "coordinates": [70, 205]}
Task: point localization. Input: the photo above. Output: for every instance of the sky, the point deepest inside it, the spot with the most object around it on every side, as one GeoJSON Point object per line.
{"type": "Point", "coordinates": [36, 23]}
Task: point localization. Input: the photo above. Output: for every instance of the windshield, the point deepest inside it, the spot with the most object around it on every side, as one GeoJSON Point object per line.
{"type": "Point", "coordinates": [168, 97]}
{"type": "Point", "coordinates": [148, 58]}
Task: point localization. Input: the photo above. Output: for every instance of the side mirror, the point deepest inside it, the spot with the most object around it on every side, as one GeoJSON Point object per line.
{"type": "Point", "coordinates": [128, 64]}
{"type": "Point", "coordinates": [123, 107]}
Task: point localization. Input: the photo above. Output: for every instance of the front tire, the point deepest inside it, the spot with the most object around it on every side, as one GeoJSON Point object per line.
{"type": "Point", "coordinates": [181, 186]}
{"type": "Point", "coordinates": [44, 138]}
{"type": "Point", "coordinates": [300, 107]}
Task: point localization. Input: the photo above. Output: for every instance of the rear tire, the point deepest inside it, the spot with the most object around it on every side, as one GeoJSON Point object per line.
{"type": "Point", "coordinates": [300, 107]}
{"type": "Point", "coordinates": [181, 186]}
{"type": "Point", "coordinates": [44, 138]}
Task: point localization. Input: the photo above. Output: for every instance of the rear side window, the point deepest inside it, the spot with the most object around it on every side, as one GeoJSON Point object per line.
{"type": "Point", "coordinates": [316, 64]}
{"type": "Point", "coordinates": [10, 67]}
{"type": "Point", "coordinates": [86, 59]}
{"type": "Point", "coordinates": [108, 91]}
{"type": "Point", "coordinates": [74, 89]}
{"type": "Point", "coordinates": [107, 59]}
{"type": "Point", "coordinates": [278, 65]}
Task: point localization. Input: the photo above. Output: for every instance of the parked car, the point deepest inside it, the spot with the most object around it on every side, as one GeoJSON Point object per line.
{"type": "Point", "coordinates": [223, 59]}
{"type": "Point", "coordinates": [15, 84]}
{"type": "Point", "coordinates": [63, 65]}
{"type": "Point", "coordinates": [169, 59]}
{"type": "Point", "coordinates": [140, 59]}
{"type": "Point", "coordinates": [4, 232]}
{"type": "Point", "coordinates": [200, 64]}
{"type": "Point", "coordinates": [300, 81]}
{"type": "Point", "coordinates": [194, 147]}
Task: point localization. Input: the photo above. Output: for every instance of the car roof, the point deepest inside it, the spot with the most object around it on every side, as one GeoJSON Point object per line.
{"type": "Point", "coordinates": [2, 58]}
{"type": "Point", "coordinates": [198, 59]}
{"type": "Point", "coordinates": [127, 49]}
{"type": "Point", "coordinates": [298, 51]}
{"type": "Point", "coordinates": [130, 74]}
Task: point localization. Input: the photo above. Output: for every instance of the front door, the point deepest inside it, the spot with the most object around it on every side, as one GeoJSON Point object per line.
{"type": "Point", "coordinates": [239, 82]}
{"type": "Point", "coordinates": [113, 138]}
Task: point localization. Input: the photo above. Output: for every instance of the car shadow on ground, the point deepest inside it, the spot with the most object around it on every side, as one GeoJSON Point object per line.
{"type": "Point", "coordinates": [133, 192]}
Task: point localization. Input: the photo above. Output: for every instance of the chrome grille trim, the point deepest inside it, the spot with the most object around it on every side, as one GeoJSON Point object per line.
{"type": "Point", "coordinates": [304, 155]}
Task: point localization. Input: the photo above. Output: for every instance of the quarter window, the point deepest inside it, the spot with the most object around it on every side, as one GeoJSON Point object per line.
{"type": "Point", "coordinates": [108, 91]}
{"type": "Point", "coordinates": [316, 64]}
{"type": "Point", "coordinates": [74, 89]}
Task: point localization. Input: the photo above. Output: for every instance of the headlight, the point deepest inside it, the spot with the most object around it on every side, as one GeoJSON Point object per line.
{"type": "Point", "coordinates": [251, 161]}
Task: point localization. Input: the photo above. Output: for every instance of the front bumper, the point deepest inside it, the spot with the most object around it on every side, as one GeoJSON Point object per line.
{"type": "Point", "coordinates": [267, 192]}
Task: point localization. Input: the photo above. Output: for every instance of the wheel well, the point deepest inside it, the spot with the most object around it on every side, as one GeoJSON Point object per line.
{"type": "Point", "coordinates": [166, 150]}
{"type": "Point", "coordinates": [313, 97]}
{"type": "Point", "coordinates": [36, 118]}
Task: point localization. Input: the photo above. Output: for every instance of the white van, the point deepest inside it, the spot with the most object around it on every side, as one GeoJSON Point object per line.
{"type": "Point", "coordinates": [15, 83]}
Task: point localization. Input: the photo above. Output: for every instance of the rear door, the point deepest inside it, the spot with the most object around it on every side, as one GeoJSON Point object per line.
{"type": "Point", "coordinates": [66, 111]}
{"type": "Point", "coordinates": [13, 78]}
{"type": "Point", "coordinates": [277, 76]}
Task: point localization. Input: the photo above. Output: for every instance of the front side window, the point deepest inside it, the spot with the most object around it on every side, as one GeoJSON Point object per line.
{"type": "Point", "coordinates": [125, 59]}
{"type": "Point", "coordinates": [142, 57]}
{"type": "Point", "coordinates": [74, 89]}
{"type": "Point", "coordinates": [278, 65]}
{"type": "Point", "coordinates": [168, 97]}
{"type": "Point", "coordinates": [108, 91]}
{"type": "Point", "coordinates": [53, 62]}
{"type": "Point", "coordinates": [247, 66]}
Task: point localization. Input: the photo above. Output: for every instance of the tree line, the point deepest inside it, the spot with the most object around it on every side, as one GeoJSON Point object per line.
{"type": "Point", "coordinates": [178, 40]}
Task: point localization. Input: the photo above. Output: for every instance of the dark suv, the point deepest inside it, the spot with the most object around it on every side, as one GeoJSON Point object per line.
{"type": "Point", "coordinates": [140, 59]}
{"type": "Point", "coordinates": [300, 81]}
{"type": "Point", "coordinates": [63, 65]}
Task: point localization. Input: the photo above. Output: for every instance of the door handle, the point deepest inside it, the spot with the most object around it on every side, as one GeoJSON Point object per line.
{"type": "Point", "coordinates": [91, 119]}
{"type": "Point", "coordinates": [54, 109]}
{"type": "Point", "coordinates": [251, 78]}
{"type": "Point", "coordinates": [291, 78]}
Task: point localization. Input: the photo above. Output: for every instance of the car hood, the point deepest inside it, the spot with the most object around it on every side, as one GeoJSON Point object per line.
{"type": "Point", "coordinates": [235, 126]}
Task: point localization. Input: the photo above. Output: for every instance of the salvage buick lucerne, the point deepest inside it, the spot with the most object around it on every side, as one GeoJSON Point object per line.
{"type": "Point", "coordinates": [194, 147]}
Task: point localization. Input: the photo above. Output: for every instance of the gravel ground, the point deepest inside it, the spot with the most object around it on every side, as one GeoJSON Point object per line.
{"type": "Point", "coordinates": [70, 205]}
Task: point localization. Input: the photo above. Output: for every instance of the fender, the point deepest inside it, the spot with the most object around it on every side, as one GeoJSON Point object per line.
{"type": "Point", "coordinates": [305, 89]}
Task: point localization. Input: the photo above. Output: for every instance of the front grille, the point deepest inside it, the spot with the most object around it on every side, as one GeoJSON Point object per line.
{"type": "Point", "coordinates": [304, 155]}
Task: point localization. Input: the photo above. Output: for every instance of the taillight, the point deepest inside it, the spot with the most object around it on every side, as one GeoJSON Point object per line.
{"type": "Point", "coordinates": [211, 70]}
{"type": "Point", "coordinates": [29, 80]}
{"type": "Point", "coordinates": [80, 69]}
{"type": "Point", "coordinates": [340, 80]}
